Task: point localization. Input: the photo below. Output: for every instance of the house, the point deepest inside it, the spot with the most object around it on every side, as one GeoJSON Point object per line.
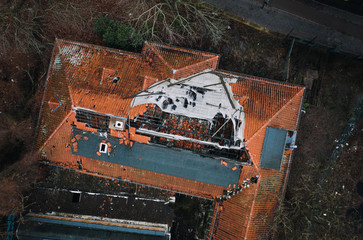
{"type": "Point", "coordinates": [169, 118]}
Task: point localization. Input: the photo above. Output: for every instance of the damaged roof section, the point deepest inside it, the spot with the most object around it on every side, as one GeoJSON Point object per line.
{"type": "Point", "coordinates": [201, 96]}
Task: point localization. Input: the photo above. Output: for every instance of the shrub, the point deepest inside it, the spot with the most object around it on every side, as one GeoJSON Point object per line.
{"type": "Point", "coordinates": [102, 24]}
{"type": "Point", "coordinates": [118, 35]}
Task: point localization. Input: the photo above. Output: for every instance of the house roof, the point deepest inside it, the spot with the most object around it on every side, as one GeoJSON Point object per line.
{"type": "Point", "coordinates": [58, 213]}
{"type": "Point", "coordinates": [106, 84]}
{"type": "Point", "coordinates": [178, 58]}
{"type": "Point", "coordinates": [38, 228]}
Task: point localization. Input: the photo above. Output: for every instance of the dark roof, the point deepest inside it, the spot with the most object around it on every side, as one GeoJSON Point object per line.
{"type": "Point", "coordinates": [273, 148]}
{"type": "Point", "coordinates": [42, 228]}
{"type": "Point", "coordinates": [121, 206]}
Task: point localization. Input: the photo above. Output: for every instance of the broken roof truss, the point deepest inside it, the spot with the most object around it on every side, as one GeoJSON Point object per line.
{"type": "Point", "coordinates": [204, 97]}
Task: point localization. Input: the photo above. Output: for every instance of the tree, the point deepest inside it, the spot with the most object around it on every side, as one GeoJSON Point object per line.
{"type": "Point", "coordinates": [118, 35]}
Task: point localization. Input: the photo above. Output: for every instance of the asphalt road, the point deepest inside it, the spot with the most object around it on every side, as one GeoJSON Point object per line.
{"type": "Point", "coordinates": [353, 6]}
{"type": "Point", "coordinates": [306, 19]}
{"type": "Point", "coordinates": [333, 18]}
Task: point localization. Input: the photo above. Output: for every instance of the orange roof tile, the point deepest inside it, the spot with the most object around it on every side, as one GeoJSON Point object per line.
{"type": "Point", "coordinates": [57, 149]}
{"type": "Point", "coordinates": [179, 62]}
{"type": "Point", "coordinates": [261, 99]}
{"type": "Point", "coordinates": [106, 80]}
{"type": "Point", "coordinates": [177, 58]}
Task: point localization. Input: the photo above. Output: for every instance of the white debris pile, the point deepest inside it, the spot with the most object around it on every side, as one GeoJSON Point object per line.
{"type": "Point", "coordinates": [202, 96]}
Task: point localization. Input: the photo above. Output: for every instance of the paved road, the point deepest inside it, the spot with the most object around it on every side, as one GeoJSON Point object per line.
{"type": "Point", "coordinates": [306, 19]}
{"type": "Point", "coordinates": [353, 6]}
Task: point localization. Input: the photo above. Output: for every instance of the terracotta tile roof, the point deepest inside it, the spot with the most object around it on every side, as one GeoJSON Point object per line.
{"type": "Point", "coordinates": [179, 62]}
{"type": "Point", "coordinates": [261, 99]}
{"type": "Point", "coordinates": [101, 79]}
{"type": "Point", "coordinates": [98, 80]}
{"type": "Point", "coordinates": [233, 215]}
{"type": "Point", "coordinates": [57, 149]}
{"type": "Point", "coordinates": [269, 190]}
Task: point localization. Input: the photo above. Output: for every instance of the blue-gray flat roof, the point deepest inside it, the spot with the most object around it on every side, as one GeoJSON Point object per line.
{"type": "Point", "coordinates": [273, 148]}
{"type": "Point", "coordinates": [176, 162]}
{"type": "Point", "coordinates": [36, 228]}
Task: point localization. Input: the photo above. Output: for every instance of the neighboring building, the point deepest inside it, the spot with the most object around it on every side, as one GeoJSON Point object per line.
{"type": "Point", "coordinates": [168, 118]}
{"type": "Point", "coordinates": [88, 215]}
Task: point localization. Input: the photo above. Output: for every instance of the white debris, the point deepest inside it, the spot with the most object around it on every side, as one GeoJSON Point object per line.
{"type": "Point", "coordinates": [74, 54]}
{"type": "Point", "coordinates": [202, 96]}
{"type": "Point", "coordinates": [182, 138]}
{"type": "Point", "coordinates": [103, 134]}
{"type": "Point", "coordinates": [149, 199]}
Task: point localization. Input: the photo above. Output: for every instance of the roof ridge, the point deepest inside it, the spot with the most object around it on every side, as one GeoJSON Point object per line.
{"type": "Point", "coordinates": [260, 79]}
{"type": "Point", "coordinates": [180, 69]}
{"type": "Point", "coordinates": [183, 49]}
{"type": "Point", "coordinates": [98, 47]}
{"type": "Point", "coordinates": [275, 115]}
{"type": "Point", "coordinates": [154, 46]}
{"type": "Point", "coordinates": [159, 55]}
{"type": "Point", "coordinates": [56, 130]}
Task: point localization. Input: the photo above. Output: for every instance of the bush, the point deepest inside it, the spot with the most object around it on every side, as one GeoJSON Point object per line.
{"type": "Point", "coordinates": [102, 24]}
{"type": "Point", "coordinates": [117, 35]}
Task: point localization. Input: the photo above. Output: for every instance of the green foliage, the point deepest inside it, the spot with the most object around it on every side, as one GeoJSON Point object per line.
{"type": "Point", "coordinates": [102, 24]}
{"type": "Point", "coordinates": [118, 35]}
{"type": "Point", "coordinates": [305, 106]}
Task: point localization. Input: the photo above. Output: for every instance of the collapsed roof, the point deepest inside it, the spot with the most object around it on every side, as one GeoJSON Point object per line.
{"type": "Point", "coordinates": [201, 96]}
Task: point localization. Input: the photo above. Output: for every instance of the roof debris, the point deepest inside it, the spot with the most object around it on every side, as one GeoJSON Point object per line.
{"type": "Point", "coordinates": [188, 97]}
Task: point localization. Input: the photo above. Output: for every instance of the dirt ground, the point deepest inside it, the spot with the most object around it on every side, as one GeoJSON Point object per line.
{"type": "Point", "coordinates": [24, 60]}
{"type": "Point", "coordinates": [326, 217]}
